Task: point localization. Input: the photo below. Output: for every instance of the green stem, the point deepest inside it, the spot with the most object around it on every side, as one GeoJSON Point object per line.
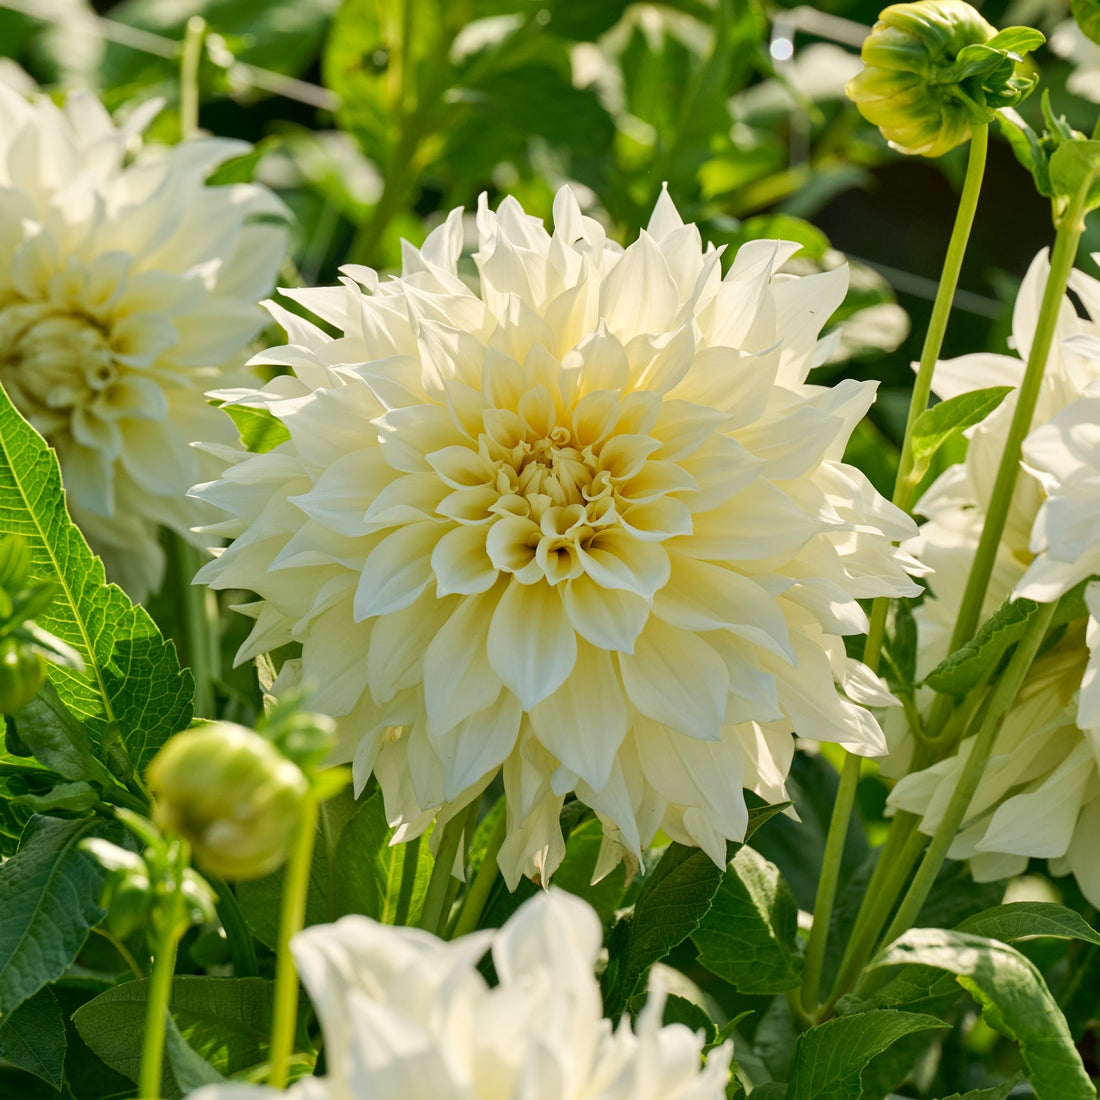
{"type": "Point", "coordinates": [828, 881]}
{"type": "Point", "coordinates": [190, 58]}
{"type": "Point", "coordinates": [432, 915]}
{"type": "Point", "coordinates": [879, 901]}
{"type": "Point", "coordinates": [123, 951]}
{"type": "Point", "coordinates": [196, 609]}
{"type": "Point", "coordinates": [905, 486]}
{"type": "Point", "coordinates": [291, 919]}
{"type": "Point", "coordinates": [171, 927]}
{"type": "Point", "coordinates": [1004, 696]}
{"type": "Point", "coordinates": [478, 894]}
{"type": "Point", "coordinates": [241, 948]}
{"type": "Point", "coordinates": [1062, 259]}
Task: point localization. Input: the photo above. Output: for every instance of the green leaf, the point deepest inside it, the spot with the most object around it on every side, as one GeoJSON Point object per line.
{"type": "Point", "coordinates": [57, 739]}
{"type": "Point", "coordinates": [1017, 40]}
{"type": "Point", "coordinates": [935, 426]}
{"type": "Point", "coordinates": [679, 1010]}
{"type": "Point", "coordinates": [79, 797]}
{"type": "Point", "coordinates": [1075, 165]}
{"type": "Point", "coordinates": [582, 849]}
{"type": "Point", "coordinates": [33, 1038]}
{"type": "Point", "coordinates": [748, 936]}
{"type": "Point", "coordinates": [1014, 1000]}
{"type": "Point", "coordinates": [384, 881]}
{"type": "Point", "coordinates": [674, 898]}
{"type": "Point", "coordinates": [225, 1021]}
{"type": "Point", "coordinates": [971, 665]}
{"type": "Point", "coordinates": [829, 1060]}
{"type": "Point", "coordinates": [1020, 919]}
{"type": "Point", "coordinates": [49, 899]}
{"type": "Point", "coordinates": [770, 1090]}
{"type": "Point", "coordinates": [188, 1067]}
{"type": "Point", "coordinates": [998, 1092]}
{"type": "Point", "coordinates": [132, 688]}
{"type": "Point", "coordinates": [260, 430]}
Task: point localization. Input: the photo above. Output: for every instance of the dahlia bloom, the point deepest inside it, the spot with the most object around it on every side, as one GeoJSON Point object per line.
{"type": "Point", "coordinates": [587, 525]}
{"type": "Point", "coordinates": [407, 1016]}
{"type": "Point", "coordinates": [1040, 794]}
{"type": "Point", "coordinates": [127, 289]}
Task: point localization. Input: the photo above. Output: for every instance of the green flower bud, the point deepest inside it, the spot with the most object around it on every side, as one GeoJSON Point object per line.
{"type": "Point", "coordinates": [935, 68]}
{"type": "Point", "coordinates": [232, 795]}
{"type": "Point", "coordinates": [22, 671]}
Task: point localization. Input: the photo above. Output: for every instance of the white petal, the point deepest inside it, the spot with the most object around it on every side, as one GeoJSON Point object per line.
{"type": "Point", "coordinates": [532, 645]}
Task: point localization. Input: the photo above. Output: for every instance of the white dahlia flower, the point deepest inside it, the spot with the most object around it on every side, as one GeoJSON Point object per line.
{"type": "Point", "coordinates": [127, 289]}
{"type": "Point", "coordinates": [1040, 794]}
{"type": "Point", "coordinates": [588, 525]}
{"type": "Point", "coordinates": [407, 1016]}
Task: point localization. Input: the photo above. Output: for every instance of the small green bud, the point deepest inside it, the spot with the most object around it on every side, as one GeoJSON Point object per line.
{"type": "Point", "coordinates": [232, 795]}
{"type": "Point", "coordinates": [935, 68]}
{"type": "Point", "coordinates": [22, 671]}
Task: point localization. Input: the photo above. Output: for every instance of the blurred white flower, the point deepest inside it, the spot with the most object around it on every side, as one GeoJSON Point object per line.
{"type": "Point", "coordinates": [407, 1016]}
{"type": "Point", "coordinates": [1069, 41]}
{"type": "Point", "coordinates": [1040, 794]}
{"type": "Point", "coordinates": [588, 525]}
{"type": "Point", "coordinates": [127, 289]}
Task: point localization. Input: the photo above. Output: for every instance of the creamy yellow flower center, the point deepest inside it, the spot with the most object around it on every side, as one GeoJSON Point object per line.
{"type": "Point", "coordinates": [52, 360]}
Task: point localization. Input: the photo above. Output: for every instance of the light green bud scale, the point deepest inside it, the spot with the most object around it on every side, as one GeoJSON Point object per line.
{"type": "Point", "coordinates": [936, 68]}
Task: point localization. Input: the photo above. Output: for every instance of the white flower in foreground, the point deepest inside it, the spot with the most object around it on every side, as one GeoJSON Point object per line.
{"type": "Point", "coordinates": [127, 288]}
{"type": "Point", "coordinates": [588, 526]}
{"type": "Point", "coordinates": [1040, 794]}
{"type": "Point", "coordinates": [407, 1016]}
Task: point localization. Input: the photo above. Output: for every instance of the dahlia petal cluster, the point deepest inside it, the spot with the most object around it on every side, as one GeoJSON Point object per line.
{"type": "Point", "coordinates": [1040, 795]}
{"type": "Point", "coordinates": [407, 1016]}
{"type": "Point", "coordinates": [127, 289]}
{"type": "Point", "coordinates": [586, 527]}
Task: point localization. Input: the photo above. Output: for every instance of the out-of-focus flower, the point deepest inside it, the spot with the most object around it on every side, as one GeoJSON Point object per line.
{"type": "Point", "coordinates": [232, 795]}
{"type": "Point", "coordinates": [932, 70]}
{"type": "Point", "coordinates": [127, 289]}
{"type": "Point", "coordinates": [1040, 794]}
{"type": "Point", "coordinates": [1069, 42]}
{"type": "Point", "coordinates": [407, 1016]}
{"type": "Point", "coordinates": [589, 525]}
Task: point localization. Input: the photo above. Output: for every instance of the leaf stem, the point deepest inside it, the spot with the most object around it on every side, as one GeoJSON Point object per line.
{"type": "Point", "coordinates": [291, 919]}
{"type": "Point", "coordinates": [1064, 254]}
{"type": "Point", "coordinates": [478, 894]}
{"type": "Point", "coordinates": [904, 487]}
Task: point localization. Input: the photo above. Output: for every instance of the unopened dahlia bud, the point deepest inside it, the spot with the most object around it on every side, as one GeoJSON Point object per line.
{"type": "Point", "coordinates": [232, 795]}
{"type": "Point", "coordinates": [934, 69]}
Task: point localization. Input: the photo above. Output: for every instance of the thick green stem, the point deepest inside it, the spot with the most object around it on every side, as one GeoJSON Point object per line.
{"type": "Point", "coordinates": [1004, 695]}
{"type": "Point", "coordinates": [1062, 259]}
{"type": "Point", "coordinates": [474, 903]}
{"type": "Point", "coordinates": [291, 919]}
{"type": "Point", "coordinates": [190, 58]}
{"type": "Point", "coordinates": [879, 900]}
{"type": "Point", "coordinates": [432, 915]}
{"type": "Point", "coordinates": [904, 488]}
{"type": "Point", "coordinates": [170, 926]}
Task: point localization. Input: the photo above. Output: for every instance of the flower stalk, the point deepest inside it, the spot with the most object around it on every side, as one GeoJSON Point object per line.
{"type": "Point", "coordinates": [1068, 236]}
{"type": "Point", "coordinates": [291, 920]}
{"type": "Point", "coordinates": [904, 488]}
{"type": "Point", "coordinates": [170, 923]}
{"type": "Point", "coordinates": [478, 894]}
